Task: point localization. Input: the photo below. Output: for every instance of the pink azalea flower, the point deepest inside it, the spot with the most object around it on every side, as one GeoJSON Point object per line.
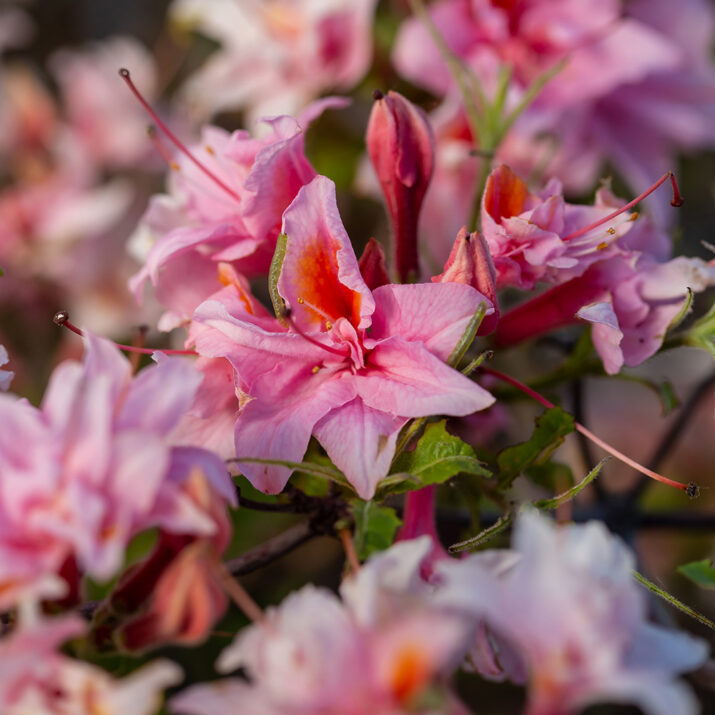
{"type": "Point", "coordinates": [616, 276]}
{"type": "Point", "coordinates": [529, 235]}
{"type": "Point", "coordinates": [36, 678]}
{"type": "Point", "coordinates": [230, 215]}
{"type": "Point", "coordinates": [93, 466]}
{"type": "Point", "coordinates": [377, 651]}
{"type": "Point", "coordinates": [277, 57]}
{"type": "Point", "coordinates": [353, 366]}
{"type": "Point", "coordinates": [570, 609]}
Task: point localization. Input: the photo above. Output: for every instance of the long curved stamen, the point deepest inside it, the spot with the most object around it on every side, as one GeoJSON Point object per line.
{"type": "Point", "coordinates": [310, 339]}
{"type": "Point", "coordinates": [62, 319]}
{"type": "Point", "coordinates": [677, 201]}
{"type": "Point", "coordinates": [690, 489]}
{"type": "Point", "coordinates": [317, 311]}
{"type": "Point", "coordinates": [124, 74]}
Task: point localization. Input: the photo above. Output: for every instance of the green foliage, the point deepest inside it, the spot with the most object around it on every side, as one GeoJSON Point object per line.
{"type": "Point", "coordinates": [702, 334]}
{"type": "Point", "coordinates": [437, 456]}
{"type": "Point", "coordinates": [375, 527]}
{"type": "Point", "coordinates": [551, 428]}
{"type": "Point", "coordinates": [701, 572]}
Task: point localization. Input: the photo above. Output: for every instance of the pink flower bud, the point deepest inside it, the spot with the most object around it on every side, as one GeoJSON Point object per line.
{"type": "Point", "coordinates": [373, 267]}
{"type": "Point", "coordinates": [401, 147]}
{"type": "Point", "coordinates": [471, 262]}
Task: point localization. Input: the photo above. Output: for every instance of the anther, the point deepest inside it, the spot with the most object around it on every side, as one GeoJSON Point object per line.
{"type": "Point", "coordinates": [634, 216]}
{"type": "Point", "coordinates": [328, 325]}
{"type": "Point", "coordinates": [316, 370]}
{"type": "Point", "coordinates": [62, 318]}
{"type": "Point", "coordinates": [377, 95]}
{"type": "Point", "coordinates": [692, 490]}
{"type": "Point", "coordinates": [602, 246]}
{"type": "Point", "coordinates": [611, 231]}
{"type": "Point", "coordinates": [677, 200]}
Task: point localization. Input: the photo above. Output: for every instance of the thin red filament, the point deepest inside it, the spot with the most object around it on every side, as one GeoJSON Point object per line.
{"type": "Point", "coordinates": [690, 489]}
{"type": "Point", "coordinates": [677, 201]}
{"type": "Point", "coordinates": [124, 74]}
{"type": "Point", "coordinates": [62, 319]}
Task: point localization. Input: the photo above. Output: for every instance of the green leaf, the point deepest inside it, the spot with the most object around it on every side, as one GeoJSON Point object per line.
{"type": "Point", "coordinates": [311, 484]}
{"type": "Point", "coordinates": [467, 338]}
{"type": "Point", "coordinates": [702, 334]}
{"type": "Point", "coordinates": [279, 306]}
{"type": "Point", "coordinates": [551, 428]}
{"type": "Point", "coordinates": [701, 572]}
{"type": "Point", "coordinates": [375, 527]}
{"type": "Point", "coordinates": [437, 456]}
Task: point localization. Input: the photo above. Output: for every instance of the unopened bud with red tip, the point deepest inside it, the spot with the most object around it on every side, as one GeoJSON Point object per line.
{"type": "Point", "coordinates": [471, 262]}
{"type": "Point", "coordinates": [373, 267]}
{"type": "Point", "coordinates": [401, 145]}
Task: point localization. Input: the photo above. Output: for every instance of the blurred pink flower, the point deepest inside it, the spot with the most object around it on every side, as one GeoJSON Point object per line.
{"type": "Point", "coordinates": [353, 366]}
{"type": "Point", "coordinates": [36, 678]}
{"type": "Point", "coordinates": [103, 120]}
{"type": "Point", "coordinates": [568, 606]}
{"type": "Point", "coordinates": [93, 467]}
{"type": "Point", "coordinates": [377, 652]}
{"type": "Point", "coordinates": [275, 57]}
{"type": "Point", "coordinates": [638, 86]}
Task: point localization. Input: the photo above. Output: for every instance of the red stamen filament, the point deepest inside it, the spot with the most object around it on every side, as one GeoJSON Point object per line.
{"type": "Point", "coordinates": [62, 319]}
{"type": "Point", "coordinates": [312, 340]}
{"type": "Point", "coordinates": [124, 74]}
{"type": "Point", "coordinates": [688, 488]}
{"type": "Point", "coordinates": [161, 150]}
{"type": "Point", "coordinates": [677, 201]}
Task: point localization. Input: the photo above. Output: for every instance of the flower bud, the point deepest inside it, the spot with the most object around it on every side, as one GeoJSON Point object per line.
{"type": "Point", "coordinates": [401, 147]}
{"type": "Point", "coordinates": [373, 268]}
{"type": "Point", "coordinates": [471, 262]}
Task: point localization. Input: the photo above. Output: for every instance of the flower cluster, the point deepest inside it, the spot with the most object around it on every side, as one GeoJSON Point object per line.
{"type": "Point", "coordinates": [371, 398]}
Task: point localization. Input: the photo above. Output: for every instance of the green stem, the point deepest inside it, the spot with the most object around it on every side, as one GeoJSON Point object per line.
{"type": "Point", "coordinates": [673, 601]}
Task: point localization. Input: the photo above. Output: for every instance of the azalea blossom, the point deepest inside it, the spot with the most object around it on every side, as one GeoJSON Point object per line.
{"type": "Point", "coordinates": [36, 678]}
{"type": "Point", "coordinates": [567, 606]}
{"type": "Point", "coordinates": [222, 212]}
{"type": "Point", "coordinates": [352, 366]}
{"type": "Point", "coordinates": [92, 467]}
{"type": "Point", "coordinates": [275, 57]}
{"type": "Point", "coordinates": [615, 276]}
{"type": "Point", "coordinates": [376, 651]}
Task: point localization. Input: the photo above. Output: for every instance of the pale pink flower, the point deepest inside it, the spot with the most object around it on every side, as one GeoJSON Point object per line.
{"type": "Point", "coordinates": [375, 653]}
{"type": "Point", "coordinates": [226, 219]}
{"type": "Point", "coordinates": [93, 466]}
{"type": "Point", "coordinates": [36, 678]}
{"type": "Point", "coordinates": [353, 365]}
{"type": "Point", "coordinates": [572, 612]}
{"type": "Point", "coordinates": [275, 57]}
